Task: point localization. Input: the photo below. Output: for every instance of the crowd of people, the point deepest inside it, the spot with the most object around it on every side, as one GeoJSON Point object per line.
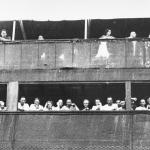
{"type": "Point", "coordinates": [71, 106]}
{"type": "Point", "coordinates": [107, 35]}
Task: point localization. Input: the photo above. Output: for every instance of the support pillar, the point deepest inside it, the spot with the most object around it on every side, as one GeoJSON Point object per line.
{"type": "Point", "coordinates": [128, 95]}
{"type": "Point", "coordinates": [14, 30]}
{"type": "Point", "coordinates": [87, 28]}
{"type": "Point", "coordinates": [12, 96]}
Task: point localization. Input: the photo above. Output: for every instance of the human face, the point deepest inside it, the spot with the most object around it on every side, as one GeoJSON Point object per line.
{"type": "Point", "coordinates": [97, 102]}
{"type": "Point", "coordinates": [148, 100]}
{"type": "Point", "coordinates": [142, 102]}
{"type": "Point", "coordinates": [22, 100]}
{"type": "Point", "coordinates": [4, 34]}
{"type": "Point", "coordinates": [132, 34]}
{"type": "Point", "coordinates": [122, 103]}
{"type": "Point", "coordinates": [86, 103]}
{"type": "Point", "coordinates": [118, 102]}
{"type": "Point", "coordinates": [36, 101]}
{"type": "Point", "coordinates": [68, 102]}
{"type": "Point", "coordinates": [2, 105]}
{"type": "Point", "coordinates": [49, 104]}
{"type": "Point", "coordinates": [109, 101]}
{"type": "Point", "coordinates": [108, 33]}
{"type": "Point", "coordinates": [60, 102]}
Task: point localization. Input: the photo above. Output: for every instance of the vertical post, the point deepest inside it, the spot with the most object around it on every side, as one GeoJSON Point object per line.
{"type": "Point", "coordinates": [85, 28]}
{"type": "Point", "coordinates": [128, 95]}
{"type": "Point", "coordinates": [12, 96]}
{"type": "Point", "coordinates": [14, 30]}
{"type": "Point", "coordinates": [22, 29]}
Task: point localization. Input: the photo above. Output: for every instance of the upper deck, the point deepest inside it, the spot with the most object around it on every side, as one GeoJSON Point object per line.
{"type": "Point", "coordinates": [64, 60]}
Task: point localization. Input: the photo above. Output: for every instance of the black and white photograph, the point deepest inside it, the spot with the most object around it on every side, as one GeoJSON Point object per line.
{"type": "Point", "coordinates": [75, 75]}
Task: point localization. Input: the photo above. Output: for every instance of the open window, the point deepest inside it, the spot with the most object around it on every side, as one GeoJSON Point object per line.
{"type": "Point", "coordinates": [76, 91]}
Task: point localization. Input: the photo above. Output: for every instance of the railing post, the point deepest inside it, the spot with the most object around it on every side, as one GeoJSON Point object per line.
{"type": "Point", "coordinates": [12, 96]}
{"type": "Point", "coordinates": [128, 95]}
{"type": "Point", "coordinates": [14, 30]}
{"type": "Point", "coordinates": [87, 28]}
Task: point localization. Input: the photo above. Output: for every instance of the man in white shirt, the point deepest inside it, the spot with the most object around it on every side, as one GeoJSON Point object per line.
{"type": "Point", "coordinates": [22, 105]}
{"type": "Point", "coordinates": [98, 105]}
{"type": "Point", "coordinates": [36, 106]}
{"type": "Point", "coordinates": [109, 106]}
{"type": "Point", "coordinates": [142, 105]}
{"type": "Point", "coordinates": [70, 106]}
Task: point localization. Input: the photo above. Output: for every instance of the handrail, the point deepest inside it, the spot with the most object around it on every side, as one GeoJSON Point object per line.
{"type": "Point", "coordinates": [74, 112]}
{"type": "Point", "coordinates": [72, 40]}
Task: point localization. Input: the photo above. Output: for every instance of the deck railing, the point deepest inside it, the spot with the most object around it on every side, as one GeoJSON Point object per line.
{"type": "Point", "coordinates": [127, 130]}
{"type": "Point", "coordinates": [94, 53]}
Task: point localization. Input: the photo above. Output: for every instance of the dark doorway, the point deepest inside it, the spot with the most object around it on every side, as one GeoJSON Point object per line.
{"type": "Point", "coordinates": [76, 91]}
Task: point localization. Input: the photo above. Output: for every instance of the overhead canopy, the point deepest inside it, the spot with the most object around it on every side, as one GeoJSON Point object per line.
{"type": "Point", "coordinates": [43, 10]}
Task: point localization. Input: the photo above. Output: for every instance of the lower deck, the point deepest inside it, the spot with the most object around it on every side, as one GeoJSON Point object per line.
{"type": "Point", "coordinates": [77, 91]}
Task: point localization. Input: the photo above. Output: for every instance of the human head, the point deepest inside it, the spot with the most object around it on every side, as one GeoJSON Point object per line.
{"type": "Point", "coordinates": [109, 100]}
{"type": "Point", "coordinates": [68, 102]}
{"type": "Point", "coordinates": [142, 102]}
{"type": "Point", "coordinates": [86, 103]}
{"type": "Point", "coordinates": [22, 100]}
{"type": "Point", "coordinates": [3, 33]}
{"type": "Point", "coordinates": [148, 100]}
{"type": "Point", "coordinates": [97, 102]}
{"type": "Point", "coordinates": [49, 104]}
{"type": "Point", "coordinates": [2, 105]}
{"type": "Point", "coordinates": [132, 34]}
{"type": "Point", "coordinates": [108, 32]}
{"type": "Point", "coordinates": [40, 37]}
{"type": "Point", "coordinates": [60, 103]}
{"type": "Point", "coordinates": [37, 101]}
{"type": "Point", "coordinates": [123, 104]}
{"type": "Point", "coordinates": [118, 101]}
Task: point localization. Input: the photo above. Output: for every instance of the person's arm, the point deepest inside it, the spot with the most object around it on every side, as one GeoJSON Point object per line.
{"type": "Point", "coordinates": [3, 39]}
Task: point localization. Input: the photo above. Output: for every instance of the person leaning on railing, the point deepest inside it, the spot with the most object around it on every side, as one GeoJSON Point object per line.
{"type": "Point", "coordinates": [70, 106]}
{"type": "Point", "coordinates": [142, 105]}
{"type": "Point", "coordinates": [107, 35]}
{"type": "Point", "coordinates": [49, 106]}
{"type": "Point", "coordinates": [36, 106]}
{"type": "Point", "coordinates": [22, 105]}
{"type": "Point", "coordinates": [98, 105]}
{"type": "Point", "coordinates": [4, 36]}
{"type": "Point", "coordinates": [110, 106]}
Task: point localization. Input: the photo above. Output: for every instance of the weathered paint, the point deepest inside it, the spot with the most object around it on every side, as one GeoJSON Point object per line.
{"type": "Point", "coordinates": [75, 130]}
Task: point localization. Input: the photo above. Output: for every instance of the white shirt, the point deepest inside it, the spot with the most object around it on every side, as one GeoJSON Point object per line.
{"type": "Point", "coordinates": [141, 108]}
{"type": "Point", "coordinates": [24, 107]}
{"type": "Point", "coordinates": [46, 109]}
{"type": "Point", "coordinates": [65, 108]}
{"type": "Point", "coordinates": [109, 107]}
{"type": "Point", "coordinates": [33, 107]}
{"type": "Point", "coordinates": [97, 107]}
